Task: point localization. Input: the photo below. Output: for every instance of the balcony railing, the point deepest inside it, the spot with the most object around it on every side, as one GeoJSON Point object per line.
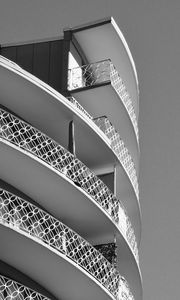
{"type": "Point", "coordinates": [98, 73]}
{"type": "Point", "coordinates": [12, 290]}
{"type": "Point", "coordinates": [119, 149]}
{"type": "Point", "coordinates": [89, 75]}
{"type": "Point", "coordinates": [23, 216]}
{"type": "Point", "coordinates": [38, 144]}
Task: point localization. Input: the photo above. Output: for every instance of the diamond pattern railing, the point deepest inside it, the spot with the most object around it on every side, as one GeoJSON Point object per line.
{"type": "Point", "coordinates": [12, 290]}
{"type": "Point", "coordinates": [98, 73]}
{"type": "Point", "coordinates": [38, 144]}
{"type": "Point", "coordinates": [23, 216]}
{"type": "Point", "coordinates": [89, 75]}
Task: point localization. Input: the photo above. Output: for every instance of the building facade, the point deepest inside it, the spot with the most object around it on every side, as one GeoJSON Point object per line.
{"type": "Point", "coordinates": [70, 219]}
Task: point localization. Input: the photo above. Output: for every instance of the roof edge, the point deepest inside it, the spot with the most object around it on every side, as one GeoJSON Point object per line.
{"type": "Point", "coordinates": [34, 41]}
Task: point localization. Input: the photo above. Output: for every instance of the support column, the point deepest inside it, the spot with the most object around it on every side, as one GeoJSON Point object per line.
{"type": "Point", "coordinates": [71, 142]}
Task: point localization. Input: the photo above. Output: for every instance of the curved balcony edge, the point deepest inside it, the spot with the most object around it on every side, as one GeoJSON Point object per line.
{"type": "Point", "coordinates": [121, 36]}
{"type": "Point", "coordinates": [31, 140]}
{"type": "Point", "coordinates": [31, 221]}
{"type": "Point", "coordinates": [121, 90]}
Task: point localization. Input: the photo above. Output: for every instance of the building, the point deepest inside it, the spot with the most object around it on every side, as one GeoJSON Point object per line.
{"type": "Point", "coordinates": [70, 217]}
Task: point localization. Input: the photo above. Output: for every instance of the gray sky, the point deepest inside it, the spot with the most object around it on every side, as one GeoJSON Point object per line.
{"type": "Point", "coordinates": [152, 30]}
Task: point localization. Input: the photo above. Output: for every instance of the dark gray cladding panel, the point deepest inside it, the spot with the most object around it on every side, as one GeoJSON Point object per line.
{"type": "Point", "coordinates": [56, 64]}
{"type": "Point", "coordinates": [25, 57]}
{"type": "Point", "coordinates": [9, 52]}
{"type": "Point", "coordinates": [42, 59]}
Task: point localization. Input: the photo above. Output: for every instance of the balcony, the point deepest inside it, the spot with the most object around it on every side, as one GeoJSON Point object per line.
{"type": "Point", "coordinates": [35, 224]}
{"type": "Point", "coordinates": [10, 289]}
{"type": "Point", "coordinates": [15, 132]}
{"type": "Point", "coordinates": [98, 88]}
{"type": "Point", "coordinates": [99, 73]}
{"type": "Point", "coordinates": [101, 40]}
{"type": "Point", "coordinates": [116, 143]}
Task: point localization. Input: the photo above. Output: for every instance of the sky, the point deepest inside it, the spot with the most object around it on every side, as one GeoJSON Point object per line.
{"type": "Point", "coordinates": [152, 30]}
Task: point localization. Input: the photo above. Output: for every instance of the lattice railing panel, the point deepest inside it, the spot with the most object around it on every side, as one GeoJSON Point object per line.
{"type": "Point", "coordinates": [12, 290]}
{"type": "Point", "coordinates": [32, 140]}
{"type": "Point", "coordinates": [21, 215]}
{"type": "Point", "coordinates": [89, 75]}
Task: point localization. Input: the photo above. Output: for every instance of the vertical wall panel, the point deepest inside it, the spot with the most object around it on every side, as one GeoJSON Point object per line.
{"type": "Point", "coordinates": [55, 71]}
{"type": "Point", "coordinates": [41, 61]}
{"type": "Point", "coordinates": [9, 52]}
{"type": "Point", "coordinates": [25, 57]}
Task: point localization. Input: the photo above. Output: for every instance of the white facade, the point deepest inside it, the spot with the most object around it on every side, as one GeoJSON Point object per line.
{"type": "Point", "coordinates": [69, 162]}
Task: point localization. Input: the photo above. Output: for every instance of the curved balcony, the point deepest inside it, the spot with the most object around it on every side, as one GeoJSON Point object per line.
{"type": "Point", "coordinates": [98, 73]}
{"type": "Point", "coordinates": [116, 144]}
{"type": "Point", "coordinates": [10, 289]}
{"type": "Point", "coordinates": [100, 90]}
{"type": "Point", "coordinates": [31, 221]}
{"type": "Point", "coordinates": [101, 40]}
{"type": "Point", "coordinates": [32, 141]}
